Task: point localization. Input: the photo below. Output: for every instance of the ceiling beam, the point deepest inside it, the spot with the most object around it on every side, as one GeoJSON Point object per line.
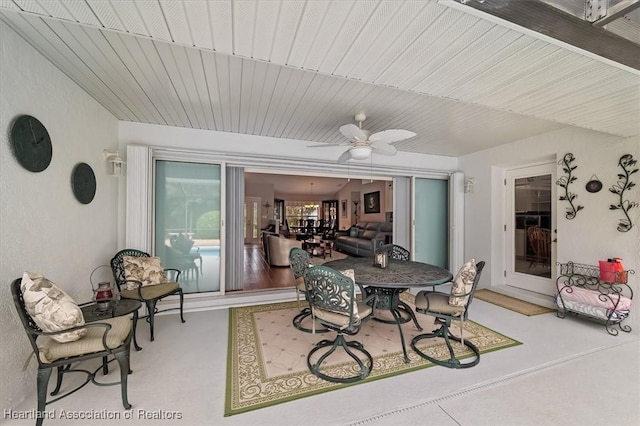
{"type": "Point", "coordinates": [552, 22]}
{"type": "Point", "coordinates": [615, 12]}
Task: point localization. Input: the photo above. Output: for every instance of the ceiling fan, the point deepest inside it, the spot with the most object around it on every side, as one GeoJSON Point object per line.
{"type": "Point", "coordinates": [362, 143]}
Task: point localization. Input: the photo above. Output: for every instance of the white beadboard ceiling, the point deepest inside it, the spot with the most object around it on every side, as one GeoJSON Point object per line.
{"type": "Point", "coordinates": [461, 79]}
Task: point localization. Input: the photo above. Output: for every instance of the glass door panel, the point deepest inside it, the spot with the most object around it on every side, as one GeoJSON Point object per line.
{"type": "Point", "coordinates": [187, 222]}
{"type": "Point", "coordinates": [431, 232]}
{"type": "Point", "coordinates": [530, 226]}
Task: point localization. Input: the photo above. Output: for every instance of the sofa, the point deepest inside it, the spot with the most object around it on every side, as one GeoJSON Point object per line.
{"type": "Point", "coordinates": [278, 249]}
{"type": "Point", "coordinates": [363, 240]}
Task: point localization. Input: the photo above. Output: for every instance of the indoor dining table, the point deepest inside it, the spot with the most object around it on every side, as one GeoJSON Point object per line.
{"type": "Point", "coordinates": [387, 283]}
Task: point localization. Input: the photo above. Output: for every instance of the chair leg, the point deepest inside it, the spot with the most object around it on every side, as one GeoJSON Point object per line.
{"type": "Point", "coordinates": [151, 307]}
{"type": "Point", "coordinates": [452, 362]}
{"type": "Point", "coordinates": [364, 368]}
{"type": "Point", "coordinates": [44, 374]}
{"type": "Point", "coordinates": [61, 370]}
{"type": "Point", "coordinates": [105, 366]}
{"type": "Point", "coordinates": [123, 361]}
{"type": "Point", "coordinates": [181, 304]}
{"type": "Point", "coordinates": [304, 313]}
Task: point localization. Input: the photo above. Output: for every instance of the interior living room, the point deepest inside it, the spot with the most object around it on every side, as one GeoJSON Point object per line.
{"type": "Point", "coordinates": [305, 211]}
{"type": "Point", "coordinates": [124, 105]}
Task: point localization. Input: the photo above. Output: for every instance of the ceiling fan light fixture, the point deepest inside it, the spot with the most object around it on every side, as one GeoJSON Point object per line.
{"type": "Point", "coordinates": [360, 152]}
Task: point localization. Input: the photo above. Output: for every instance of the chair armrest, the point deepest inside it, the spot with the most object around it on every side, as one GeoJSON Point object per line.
{"type": "Point", "coordinates": [177, 273]}
{"type": "Point", "coordinates": [138, 285]}
{"type": "Point", "coordinates": [438, 292]}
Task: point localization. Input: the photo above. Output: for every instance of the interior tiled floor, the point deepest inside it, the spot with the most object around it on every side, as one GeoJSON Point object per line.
{"type": "Point", "coordinates": [566, 372]}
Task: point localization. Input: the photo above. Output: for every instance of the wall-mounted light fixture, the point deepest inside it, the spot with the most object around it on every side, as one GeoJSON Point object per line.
{"type": "Point", "coordinates": [468, 185]}
{"type": "Point", "coordinates": [116, 164]}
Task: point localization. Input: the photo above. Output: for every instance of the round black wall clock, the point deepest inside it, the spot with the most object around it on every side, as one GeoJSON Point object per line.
{"type": "Point", "coordinates": [83, 183]}
{"type": "Point", "coordinates": [31, 143]}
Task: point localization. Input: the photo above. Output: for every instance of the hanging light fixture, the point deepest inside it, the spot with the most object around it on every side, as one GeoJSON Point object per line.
{"type": "Point", "coordinates": [312, 204]}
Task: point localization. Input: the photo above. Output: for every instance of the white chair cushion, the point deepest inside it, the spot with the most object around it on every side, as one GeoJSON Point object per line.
{"type": "Point", "coordinates": [437, 302]}
{"type": "Point", "coordinates": [51, 308]}
{"type": "Point", "coordinates": [116, 336]}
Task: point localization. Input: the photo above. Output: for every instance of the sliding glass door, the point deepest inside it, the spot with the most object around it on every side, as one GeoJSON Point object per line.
{"type": "Point", "coordinates": [431, 221]}
{"type": "Point", "coordinates": [187, 222]}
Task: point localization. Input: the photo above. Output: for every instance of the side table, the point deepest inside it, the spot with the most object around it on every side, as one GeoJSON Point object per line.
{"type": "Point", "coordinates": [117, 308]}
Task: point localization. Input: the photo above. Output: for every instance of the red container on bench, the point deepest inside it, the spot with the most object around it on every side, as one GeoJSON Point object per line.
{"type": "Point", "coordinates": [612, 271]}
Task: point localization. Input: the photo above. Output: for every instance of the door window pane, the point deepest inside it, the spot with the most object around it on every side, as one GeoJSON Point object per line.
{"type": "Point", "coordinates": [187, 222]}
{"type": "Point", "coordinates": [532, 227]}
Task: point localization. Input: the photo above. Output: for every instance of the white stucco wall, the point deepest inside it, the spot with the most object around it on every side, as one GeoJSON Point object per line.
{"type": "Point", "coordinates": [44, 229]}
{"type": "Point", "coordinates": [591, 236]}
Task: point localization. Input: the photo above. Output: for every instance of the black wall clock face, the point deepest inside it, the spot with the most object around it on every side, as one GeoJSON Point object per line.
{"type": "Point", "coordinates": [31, 143]}
{"type": "Point", "coordinates": [83, 183]}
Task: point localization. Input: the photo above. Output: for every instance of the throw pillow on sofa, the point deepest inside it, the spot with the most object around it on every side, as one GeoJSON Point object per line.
{"type": "Point", "coordinates": [353, 232]}
{"type": "Point", "coordinates": [51, 308]}
{"type": "Point", "coordinates": [147, 270]}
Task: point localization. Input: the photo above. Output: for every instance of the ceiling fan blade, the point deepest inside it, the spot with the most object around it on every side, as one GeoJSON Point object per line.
{"type": "Point", "coordinates": [383, 148]}
{"type": "Point", "coordinates": [344, 157]}
{"type": "Point", "coordinates": [353, 132]}
{"type": "Point", "coordinates": [327, 145]}
{"type": "Point", "coordinates": [391, 135]}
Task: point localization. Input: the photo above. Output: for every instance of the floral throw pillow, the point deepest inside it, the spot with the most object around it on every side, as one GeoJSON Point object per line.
{"type": "Point", "coordinates": [147, 270]}
{"type": "Point", "coordinates": [462, 283]}
{"type": "Point", "coordinates": [51, 308]}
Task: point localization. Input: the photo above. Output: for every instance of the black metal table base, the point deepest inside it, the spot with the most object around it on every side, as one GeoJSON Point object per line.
{"type": "Point", "coordinates": [389, 299]}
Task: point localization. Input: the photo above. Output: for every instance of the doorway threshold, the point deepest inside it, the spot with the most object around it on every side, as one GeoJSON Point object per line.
{"type": "Point", "coordinates": [230, 300]}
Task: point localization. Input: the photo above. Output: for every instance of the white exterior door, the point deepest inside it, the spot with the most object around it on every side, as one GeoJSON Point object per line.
{"type": "Point", "coordinates": [530, 228]}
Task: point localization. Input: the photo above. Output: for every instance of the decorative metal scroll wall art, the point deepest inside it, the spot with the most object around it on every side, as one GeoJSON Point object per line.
{"type": "Point", "coordinates": [624, 183]}
{"type": "Point", "coordinates": [565, 181]}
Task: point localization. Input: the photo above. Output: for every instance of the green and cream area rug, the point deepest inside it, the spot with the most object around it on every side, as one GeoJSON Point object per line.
{"type": "Point", "coordinates": [267, 356]}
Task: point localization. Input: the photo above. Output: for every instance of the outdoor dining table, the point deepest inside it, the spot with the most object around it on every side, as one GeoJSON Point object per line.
{"type": "Point", "coordinates": [388, 283]}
